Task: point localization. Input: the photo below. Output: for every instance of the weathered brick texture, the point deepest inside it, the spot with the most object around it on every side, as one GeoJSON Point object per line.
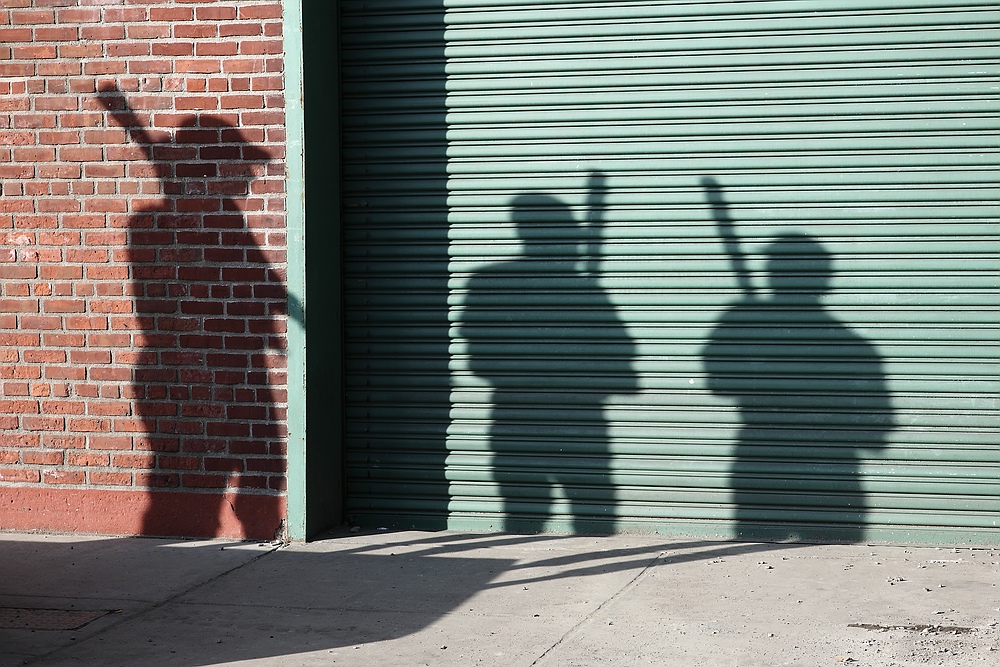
{"type": "Point", "coordinates": [142, 260]}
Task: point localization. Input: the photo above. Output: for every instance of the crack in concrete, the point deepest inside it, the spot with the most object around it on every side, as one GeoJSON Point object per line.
{"type": "Point", "coordinates": [631, 583]}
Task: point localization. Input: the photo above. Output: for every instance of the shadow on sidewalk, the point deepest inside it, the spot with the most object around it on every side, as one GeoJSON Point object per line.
{"type": "Point", "coordinates": [204, 603]}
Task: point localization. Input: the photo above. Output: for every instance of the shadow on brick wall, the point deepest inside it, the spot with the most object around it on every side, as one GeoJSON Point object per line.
{"type": "Point", "coordinates": [207, 339]}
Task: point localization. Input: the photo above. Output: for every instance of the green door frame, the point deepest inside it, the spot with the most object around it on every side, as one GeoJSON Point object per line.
{"type": "Point", "coordinates": [296, 278]}
{"type": "Point", "coordinates": [315, 459]}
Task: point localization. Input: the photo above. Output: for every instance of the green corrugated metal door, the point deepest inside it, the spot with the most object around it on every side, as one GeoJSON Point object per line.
{"type": "Point", "coordinates": [724, 268]}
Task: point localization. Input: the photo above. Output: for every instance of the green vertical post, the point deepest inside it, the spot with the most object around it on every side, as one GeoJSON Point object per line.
{"type": "Point", "coordinates": [312, 118]}
{"type": "Point", "coordinates": [324, 468]}
{"type": "Point", "coordinates": [296, 279]}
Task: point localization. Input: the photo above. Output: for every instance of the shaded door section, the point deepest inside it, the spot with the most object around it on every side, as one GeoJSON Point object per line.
{"type": "Point", "coordinates": [395, 262]}
{"type": "Point", "coordinates": [811, 394]}
{"type": "Point", "coordinates": [545, 336]}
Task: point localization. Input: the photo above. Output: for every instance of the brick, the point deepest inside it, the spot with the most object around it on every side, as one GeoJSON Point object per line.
{"type": "Point", "coordinates": [261, 11]}
{"type": "Point", "coordinates": [64, 477]}
{"type": "Point", "coordinates": [8, 422]}
{"type": "Point", "coordinates": [79, 52]}
{"type": "Point", "coordinates": [63, 407]}
{"type": "Point", "coordinates": [171, 14]}
{"type": "Point", "coordinates": [102, 33]}
{"type": "Point", "coordinates": [261, 47]}
{"type": "Point", "coordinates": [133, 460]}
{"type": "Point", "coordinates": [19, 440]}
{"type": "Point", "coordinates": [172, 48]}
{"type": "Point", "coordinates": [248, 447]}
{"type": "Point", "coordinates": [203, 410]}
{"type": "Point", "coordinates": [33, 17]}
{"type": "Point", "coordinates": [99, 67]}
{"type": "Point", "coordinates": [127, 50]}
{"type": "Point", "coordinates": [269, 431]}
{"type": "Point", "coordinates": [178, 462]}
{"type": "Point", "coordinates": [129, 425]}
{"type": "Point", "coordinates": [110, 374]}
{"type": "Point", "coordinates": [57, 34]}
{"type": "Point", "coordinates": [150, 66]}
{"type": "Point", "coordinates": [43, 423]}
{"type": "Point", "coordinates": [41, 458]}
{"type": "Point", "coordinates": [240, 29]}
{"type": "Point", "coordinates": [82, 221]}
{"type": "Point", "coordinates": [54, 441]}
{"type": "Point", "coordinates": [13, 35]}
{"type": "Point", "coordinates": [105, 136]}
{"type": "Point", "coordinates": [90, 356]}
{"type": "Point", "coordinates": [60, 272]}
{"type": "Point", "coordinates": [242, 101]}
{"type": "Point", "coordinates": [157, 480]}
{"type": "Point", "coordinates": [34, 52]}
{"type": "Point", "coordinates": [16, 206]}
{"type": "Point", "coordinates": [198, 66]}
{"type": "Point", "coordinates": [212, 49]}
{"type": "Point", "coordinates": [9, 138]}
{"type": "Point", "coordinates": [19, 407]}
{"type": "Point", "coordinates": [44, 356]}
{"type": "Point", "coordinates": [64, 339]}
{"type": "Point", "coordinates": [106, 206]}
{"type": "Point", "coordinates": [63, 306]}
{"type": "Point", "coordinates": [87, 459]}
{"type": "Point", "coordinates": [15, 171]}
{"type": "Point", "coordinates": [83, 154]}
{"type": "Point", "coordinates": [89, 425]}
{"type": "Point", "coordinates": [84, 323]}
{"type": "Point", "coordinates": [158, 444]}
{"type": "Point", "coordinates": [78, 15]}
{"type": "Point", "coordinates": [110, 442]}
{"type": "Point", "coordinates": [102, 306]}
{"type": "Point", "coordinates": [228, 429]}
{"type": "Point", "coordinates": [265, 465]}
{"type": "Point", "coordinates": [64, 373]}
{"type": "Point", "coordinates": [19, 339]}
{"type": "Point", "coordinates": [16, 70]}
{"type": "Point", "coordinates": [19, 305]}
{"type": "Point", "coordinates": [17, 475]}
{"type": "Point", "coordinates": [204, 481]}
{"type": "Point", "coordinates": [195, 31]}
{"type": "Point", "coordinates": [125, 14]}
{"type": "Point", "coordinates": [104, 478]}
{"type": "Point", "coordinates": [81, 120]}
{"type": "Point", "coordinates": [36, 154]}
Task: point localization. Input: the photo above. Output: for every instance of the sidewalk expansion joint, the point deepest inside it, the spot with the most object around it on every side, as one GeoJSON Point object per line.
{"type": "Point", "coordinates": [630, 584]}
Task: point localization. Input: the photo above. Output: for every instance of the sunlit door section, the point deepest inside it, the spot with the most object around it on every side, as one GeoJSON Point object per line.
{"type": "Point", "coordinates": [718, 269]}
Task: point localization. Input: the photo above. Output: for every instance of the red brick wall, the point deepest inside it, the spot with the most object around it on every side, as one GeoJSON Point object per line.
{"type": "Point", "coordinates": [142, 263]}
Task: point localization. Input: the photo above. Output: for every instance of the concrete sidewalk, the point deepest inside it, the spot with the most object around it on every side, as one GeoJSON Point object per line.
{"type": "Point", "coordinates": [450, 599]}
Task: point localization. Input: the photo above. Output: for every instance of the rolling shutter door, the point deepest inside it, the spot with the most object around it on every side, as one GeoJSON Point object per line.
{"type": "Point", "coordinates": [721, 268]}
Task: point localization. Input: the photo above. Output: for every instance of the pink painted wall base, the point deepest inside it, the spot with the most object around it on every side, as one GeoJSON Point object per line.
{"type": "Point", "coordinates": [241, 516]}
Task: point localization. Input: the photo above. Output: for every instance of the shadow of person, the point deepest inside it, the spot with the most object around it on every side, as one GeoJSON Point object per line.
{"type": "Point", "coordinates": [208, 308]}
{"type": "Point", "coordinates": [544, 334]}
{"type": "Point", "coordinates": [812, 397]}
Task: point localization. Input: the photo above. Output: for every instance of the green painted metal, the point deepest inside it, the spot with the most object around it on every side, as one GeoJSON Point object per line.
{"type": "Point", "coordinates": [315, 450]}
{"type": "Point", "coordinates": [296, 278]}
{"type": "Point", "coordinates": [324, 469]}
{"type": "Point", "coordinates": [775, 316]}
